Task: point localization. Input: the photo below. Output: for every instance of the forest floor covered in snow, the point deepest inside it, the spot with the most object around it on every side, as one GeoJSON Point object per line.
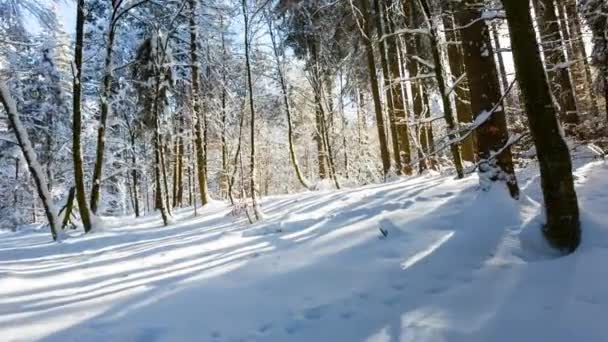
{"type": "Point", "coordinates": [457, 264]}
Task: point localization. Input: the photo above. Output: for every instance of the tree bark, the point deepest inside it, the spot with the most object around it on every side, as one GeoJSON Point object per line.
{"type": "Point", "coordinates": [555, 60]}
{"type": "Point", "coordinates": [484, 87]}
{"type": "Point", "coordinates": [81, 194]}
{"type": "Point", "coordinates": [105, 110]}
{"type": "Point", "coordinates": [397, 91]}
{"type": "Point", "coordinates": [562, 229]}
{"type": "Point", "coordinates": [388, 88]}
{"type": "Point", "coordinates": [461, 94]}
{"type": "Point", "coordinates": [287, 107]}
{"type": "Point", "coordinates": [32, 162]}
{"type": "Point", "coordinates": [445, 99]}
{"type": "Point", "coordinates": [371, 65]}
{"type": "Point", "coordinates": [252, 165]}
{"type": "Point", "coordinates": [196, 108]}
{"type": "Point", "coordinates": [581, 71]}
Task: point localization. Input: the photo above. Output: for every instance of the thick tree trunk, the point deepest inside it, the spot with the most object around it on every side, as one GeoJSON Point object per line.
{"type": "Point", "coordinates": [461, 94]}
{"type": "Point", "coordinates": [81, 194]}
{"type": "Point", "coordinates": [555, 60]}
{"type": "Point", "coordinates": [484, 86]}
{"type": "Point", "coordinates": [563, 226]}
{"type": "Point", "coordinates": [371, 65]}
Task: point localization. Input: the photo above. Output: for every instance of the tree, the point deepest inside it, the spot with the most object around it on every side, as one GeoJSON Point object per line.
{"type": "Point", "coordinates": [555, 60]}
{"type": "Point", "coordinates": [396, 88]}
{"type": "Point", "coordinates": [285, 95]}
{"type": "Point", "coordinates": [596, 15]}
{"type": "Point", "coordinates": [252, 170]}
{"type": "Point", "coordinates": [32, 161]}
{"type": "Point", "coordinates": [457, 69]}
{"type": "Point", "coordinates": [196, 109]}
{"type": "Point", "coordinates": [81, 198]}
{"type": "Point", "coordinates": [492, 135]}
{"type": "Point", "coordinates": [373, 78]}
{"type": "Point", "coordinates": [443, 92]}
{"type": "Point", "coordinates": [562, 228]}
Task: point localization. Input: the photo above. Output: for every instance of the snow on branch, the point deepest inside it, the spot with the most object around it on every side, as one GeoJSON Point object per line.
{"type": "Point", "coordinates": [30, 156]}
{"type": "Point", "coordinates": [464, 132]}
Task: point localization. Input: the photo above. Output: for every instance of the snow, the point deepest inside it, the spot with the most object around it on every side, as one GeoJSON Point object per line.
{"type": "Point", "coordinates": [30, 154]}
{"type": "Point", "coordinates": [456, 264]}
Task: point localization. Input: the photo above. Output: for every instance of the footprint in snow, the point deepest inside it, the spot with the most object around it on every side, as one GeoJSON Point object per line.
{"type": "Point", "coordinates": [422, 199]}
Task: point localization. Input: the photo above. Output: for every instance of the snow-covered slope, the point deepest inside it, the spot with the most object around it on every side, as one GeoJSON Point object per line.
{"type": "Point", "coordinates": [457, 264]}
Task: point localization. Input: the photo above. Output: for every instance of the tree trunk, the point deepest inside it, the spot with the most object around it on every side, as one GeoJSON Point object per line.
{"type": "Point", "coordinates": [461, 94]}
{"type": "Point", "coordinates": [252, 185]}
{"type": "Point", "coordinates": [32, 162]}
{"type": "Point", "coordinates": [158, 189]}
{"type": "Point", "coordinates": [388, 88]}
{"type": "Point", "coordinates": [134, 176]}
{"type": "Point", "coordinates": [224, 180]}
{"type": "Point", "coordinates": [237, 157]}
{"type": "Point", "coordinates": [371, 65]}
{"type": "Point", "coordinates": [399, 103]}
{"type": "Point", "coordinates": [179, 201]}
{"type": "Point", "coordinates": [287, 107]}
{"type": "Point", "coordinates": [163, 163]}
{"type": "Point", "coordinates": [420, 136]}
{"type": "Point", "coordinates": [81, 194]}
{"type": "Point", "coordinates": [196, 108]}
{"type": "Point", "coordinates": [581, 71]}
{"type": "Point", "coordinates": [105, 110]}
{"type": "Point", "coordinates": [69, 206]}
{"type": "Point", "coordinates": [445, 98]}
{"type": "Point", "coordinates": [562, 229]}
{"type": "Point", "coordinates": [492, 135]}
{"type": "Point", "coordinates": [555, 60]}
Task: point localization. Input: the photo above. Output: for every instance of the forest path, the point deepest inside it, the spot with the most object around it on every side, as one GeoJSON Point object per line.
{"type": "Point", "coordinates": [457, 264]}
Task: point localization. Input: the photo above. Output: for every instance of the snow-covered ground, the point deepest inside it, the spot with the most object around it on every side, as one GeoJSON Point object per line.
{"type": "Point", "coordinates": [457, 265]}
